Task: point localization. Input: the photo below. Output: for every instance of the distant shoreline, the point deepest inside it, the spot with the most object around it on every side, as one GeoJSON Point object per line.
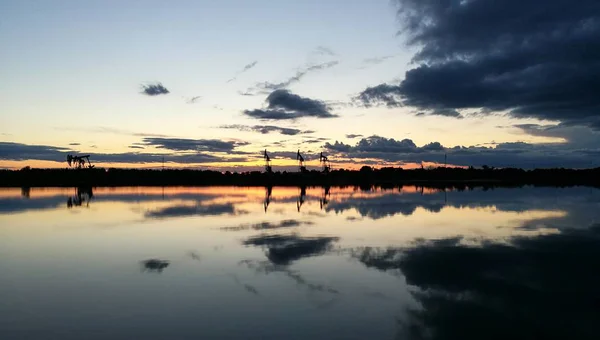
{"type": "Point", "coordinates": [437, 177]}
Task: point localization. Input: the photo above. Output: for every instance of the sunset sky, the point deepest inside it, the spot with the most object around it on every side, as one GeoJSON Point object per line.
{"type": "Point", "coordinates": [367, 82]}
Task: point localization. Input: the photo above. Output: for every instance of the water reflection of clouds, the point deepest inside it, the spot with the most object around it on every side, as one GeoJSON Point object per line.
{"type": "Point", "coordinates": [193, 210]}
{"type": "Point", "coordinates": [579, 205]}
{"type": "Point", "coordinates": [289, 223]}
{"type": "Point", "coordinates": [284, 249]}
{"type": "Point", "coordinates": [534, 287]}
{"type": "Point", "coordinates": [542, 286]}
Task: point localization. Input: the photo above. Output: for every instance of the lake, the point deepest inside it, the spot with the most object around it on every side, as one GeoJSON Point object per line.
{"type": "Point", "coordinates": [299, 263]}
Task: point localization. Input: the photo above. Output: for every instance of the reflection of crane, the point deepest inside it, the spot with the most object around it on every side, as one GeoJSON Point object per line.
{"type": "Point", "coordinates": [300, 160]}
{"type": "Point", "coordinates": [325, 198]}
{"type": "Point", "coordinates": [79, 161]}
{"type": "Point", "coordinates": [82, 195]}
{"type": "Point", "coordinates": [324, 163]}
{"type": "Point", "coordinates": [268, 191]}
{"type": "Point", "coordinates": [301, 197]}
{"type": "Point", "coordinates": [268, 168]}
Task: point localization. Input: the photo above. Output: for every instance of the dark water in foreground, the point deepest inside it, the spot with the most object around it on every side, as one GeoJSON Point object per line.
{"type": "Point", "coordinates": [227, 263]}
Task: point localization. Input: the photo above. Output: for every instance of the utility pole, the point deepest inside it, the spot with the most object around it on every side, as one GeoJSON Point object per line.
{"type": "Point", "coordinates": [163, 163]}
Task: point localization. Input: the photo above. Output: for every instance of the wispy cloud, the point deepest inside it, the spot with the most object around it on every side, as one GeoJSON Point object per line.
{"type": "Point", "coordinates": [186, 144]}
{"type": "Point", "coordinates": [267, 87]}
{"type": "Point", "coordinates": [324, 50]}
{"type": "Point", "coordinates": [265, 129]}
{"type": "Point", "coordinates": [246, 68]}
{"type": "Point", "coordinates": [193, 100]}
{"type": "Point", "coordinates": [375, 60]}
{"type": "Point", "coordinates": [111, 130]}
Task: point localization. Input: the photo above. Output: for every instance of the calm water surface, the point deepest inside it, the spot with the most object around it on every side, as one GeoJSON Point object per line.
{"type": "Point", "coordinates": [292, 263]}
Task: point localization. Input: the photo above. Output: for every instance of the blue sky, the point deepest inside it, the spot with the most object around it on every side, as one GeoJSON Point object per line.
{"type": "Point", "coordinates": [72, 73]}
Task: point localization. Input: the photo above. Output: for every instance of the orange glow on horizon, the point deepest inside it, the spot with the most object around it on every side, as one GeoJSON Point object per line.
{"type": "Point", "coordinates": [220, 166]}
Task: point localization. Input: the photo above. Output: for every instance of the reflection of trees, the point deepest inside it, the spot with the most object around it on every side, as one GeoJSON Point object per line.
{"type": "Point", "coordinates": [544, 287]}
{"type": "Point", "coordinates": [83, 195]}
{"type": "Point", "coordinates": [154, 265]}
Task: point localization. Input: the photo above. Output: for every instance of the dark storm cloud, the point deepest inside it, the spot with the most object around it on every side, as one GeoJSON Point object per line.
{"type": "Point", "coordinates": [154, 89]}
{"type": "Point", "coordinates": [184, 144]}
{"type": "Point", "coordinates": [576, 136]}
{"type": "Point", "coordinates": [284, 105]}
{"type": "Point", "coordinates": [244, 69]}
{"type": "Point", "coordinates": [267, 87]}
{"type": "Point", "coordinates": [517, 154]}
{"type": "Point", "coordinates": [265, 129]}
{"type": "Point", "coordinates": [530, 58]}
{"type": "Point", "coordinates": [74, 144]}
{"type": "Point", "coordinates": [18, 152]}
{"type": "Point", "coordinates": [352, 135]}
{"type": "Point", "coordinates": [486, 284]}
{"type": "Point", "coordinates": [136, 147]}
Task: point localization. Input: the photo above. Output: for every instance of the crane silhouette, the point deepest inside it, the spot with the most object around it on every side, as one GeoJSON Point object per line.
{"type": "Point", "coordinates": [300, 160]}
{"type": "Point", "coordinates": [268, 168]}
{"type": "Point", "coordinates": [79, 161]}
{"type": "Point", "coordinates": [324, 163]}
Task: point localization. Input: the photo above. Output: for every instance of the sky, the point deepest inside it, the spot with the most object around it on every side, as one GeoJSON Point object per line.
{"type": "Point", "coordinates": [212, 84]}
